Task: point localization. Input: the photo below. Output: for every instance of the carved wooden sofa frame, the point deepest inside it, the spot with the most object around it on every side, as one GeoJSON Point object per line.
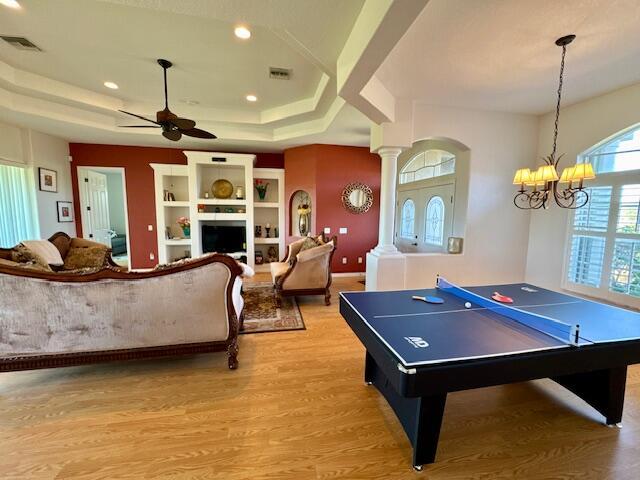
{"type": "Point", "coordinates": [37, 361]}
{"type": "Point", "coordinates": [280, 292]}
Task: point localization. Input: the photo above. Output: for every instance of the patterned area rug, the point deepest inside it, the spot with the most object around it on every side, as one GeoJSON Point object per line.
{"type": "Point", "coordinates": [261, 314]}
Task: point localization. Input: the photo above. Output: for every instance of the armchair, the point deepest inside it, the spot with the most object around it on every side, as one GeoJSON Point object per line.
{"type": "Point", "coordinates": [305, 272]}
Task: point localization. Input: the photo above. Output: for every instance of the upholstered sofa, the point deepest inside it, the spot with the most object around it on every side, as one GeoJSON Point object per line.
{"type": "Point", "coordinates": [50, 319]}
{"type": "Point", "coordinates": [304, 272]}
{"type": "Point", "coordinates": [75, 253]}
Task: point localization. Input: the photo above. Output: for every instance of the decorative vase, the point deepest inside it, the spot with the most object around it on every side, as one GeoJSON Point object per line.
{"type": "Point", "coordinates": [262, 193]}
{"type": "Point", "coordinates": [186, 231]}
{"type": "Point", "coordinates": [303, 224]}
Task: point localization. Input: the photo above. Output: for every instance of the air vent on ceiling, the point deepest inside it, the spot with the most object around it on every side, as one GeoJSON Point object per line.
{"type": "Point", "coordinates": [21, 43]}
{"type": "Point", "coordinates": [280, 73]}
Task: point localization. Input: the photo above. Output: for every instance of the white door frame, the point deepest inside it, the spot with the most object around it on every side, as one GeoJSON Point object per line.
{"type": "Point", "coordinates": [83, 199]}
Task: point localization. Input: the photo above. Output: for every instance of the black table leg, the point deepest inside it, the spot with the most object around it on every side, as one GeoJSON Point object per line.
{"type": "Point", "coordinates": [421, 417]}
{"type": "Point", "coordinates": [602, 389]}
{"type": "Point", "coordinates": [428, 420]}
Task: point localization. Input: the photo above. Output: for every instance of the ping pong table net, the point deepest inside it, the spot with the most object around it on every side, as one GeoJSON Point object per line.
{"type": "Point", "coordinates": [564, 332]}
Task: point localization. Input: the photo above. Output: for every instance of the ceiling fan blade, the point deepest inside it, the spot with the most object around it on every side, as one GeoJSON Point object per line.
{"type": "Point", "coordinates": [196, 132]}
{"type": "Point", "coordinates": [173, 135]}
{"type": "Point", "coordinates": [183, 123]}
{"type": "Point", "coordinates": [139, 126]}
{"type": "Point", "coordinates": [139, 116]}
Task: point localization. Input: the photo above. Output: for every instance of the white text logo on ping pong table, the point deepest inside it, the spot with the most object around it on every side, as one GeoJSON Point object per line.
{"type": "Point", "coordinates": [417, 342]}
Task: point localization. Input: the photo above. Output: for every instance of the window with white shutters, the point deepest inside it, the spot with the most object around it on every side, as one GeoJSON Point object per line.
{"type": "Point", "coordinates": [603, 248]}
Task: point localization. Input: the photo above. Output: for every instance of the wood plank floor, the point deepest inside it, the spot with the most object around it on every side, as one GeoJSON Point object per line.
{"type": "Point", "coordinates": [296, 408]}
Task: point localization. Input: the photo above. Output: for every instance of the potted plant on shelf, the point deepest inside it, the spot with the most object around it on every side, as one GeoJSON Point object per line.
{"type": "Point", "coordinates": [185, 225]}
{"type": "Point", "coordinates": [261, 187]}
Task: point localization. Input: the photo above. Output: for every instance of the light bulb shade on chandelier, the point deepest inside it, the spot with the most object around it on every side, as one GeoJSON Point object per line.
{"type": "Point", "coordinates": [543, 183]}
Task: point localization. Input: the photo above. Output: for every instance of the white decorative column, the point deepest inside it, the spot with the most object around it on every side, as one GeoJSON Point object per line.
{"type": "Point", "coordinates": [388, 173]}
{"type": "Point", "coordinates": [385, 265]}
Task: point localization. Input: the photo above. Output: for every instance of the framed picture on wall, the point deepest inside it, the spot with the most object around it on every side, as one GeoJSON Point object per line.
{"type": "Point", "coordinates": [48, 180]}
{"type": "Point", "coordinates": [65, 212]}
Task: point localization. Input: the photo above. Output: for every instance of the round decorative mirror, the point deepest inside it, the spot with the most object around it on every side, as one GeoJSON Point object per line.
{"type": "Point", "coordinates": [357, 197]}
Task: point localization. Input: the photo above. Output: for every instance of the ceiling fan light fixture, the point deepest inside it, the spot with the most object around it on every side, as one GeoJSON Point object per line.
{"type": "Point", "coordinates": [251, 98]}
{"type": "Point", "coordinates": [111, 85]}
{"type": "Point", "coordinates": [242, 32]}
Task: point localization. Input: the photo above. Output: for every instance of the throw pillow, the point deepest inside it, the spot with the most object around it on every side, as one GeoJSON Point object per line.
{"type": "Point", "coordinates": [308, 243]}
{"type": "Point", "coordinates": [26, 257]}
{"type": "Point", "coordinates": [86, 257]}
{"type": "Point", "coordinates": [63, 244]}
{"type": "Point", "coordinates": [45, 250]}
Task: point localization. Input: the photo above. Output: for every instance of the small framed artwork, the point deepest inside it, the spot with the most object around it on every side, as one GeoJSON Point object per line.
{"type": "Point", "coordinates": [65, 212]}
{"type": "Point", "coordinates": [48, 180]}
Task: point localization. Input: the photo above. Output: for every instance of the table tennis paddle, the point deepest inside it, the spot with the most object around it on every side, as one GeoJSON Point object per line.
{"type": "Point", "coordinates": [501, 298]}
{"type": "Point", "coordinates": [435, 300]}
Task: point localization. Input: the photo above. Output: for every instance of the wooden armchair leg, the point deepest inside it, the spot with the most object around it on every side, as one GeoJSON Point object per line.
{"type": "Point", "coordinates": [232, 352]}
{"type": "Point", "coordinates": [277, 296]}
{"type": "Point", "coordinates": [241, 323]}
{"type": "Point", "coordinates": [327, 297]}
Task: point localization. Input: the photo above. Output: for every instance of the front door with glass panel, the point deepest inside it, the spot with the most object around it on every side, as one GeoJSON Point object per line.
{"type": "Point", "coordinates": [407, 227]}
{"type": "Point", "coordinates": [425, 219]}
{"type": "Point", "coordinates": [438, 217]}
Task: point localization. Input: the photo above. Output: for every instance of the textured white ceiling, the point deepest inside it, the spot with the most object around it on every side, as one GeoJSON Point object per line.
{"type": "Point", "coordinates": [87, 42]}
{"type": "Point", "coordinates": [500, 54]}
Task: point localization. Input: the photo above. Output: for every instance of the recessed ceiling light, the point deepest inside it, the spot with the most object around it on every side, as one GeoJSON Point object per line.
{"type": "Point", "coordinates": [251, 98]}
{"type": "Point", "coordinates": [111, 85]}
{"type": "Point", "coordinates": [242, 32]}
{"type": "Point", "coordinates": [10, 3]}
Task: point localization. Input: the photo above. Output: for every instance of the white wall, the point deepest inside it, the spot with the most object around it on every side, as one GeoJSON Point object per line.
{"type": "Point", "coordinates": [35, 149]}
{"type": "Point", "coordinates": [496, 236]}
{"type": "Point", "coordinates": [53, 153]}
{"type": "Point", "coordinates": [582, 125]}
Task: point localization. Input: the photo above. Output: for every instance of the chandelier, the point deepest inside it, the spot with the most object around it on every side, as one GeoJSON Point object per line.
{"type": "Point", "coordinates": [567, 190]}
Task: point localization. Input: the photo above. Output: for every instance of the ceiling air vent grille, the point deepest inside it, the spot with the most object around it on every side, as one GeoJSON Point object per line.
{"type": "Point", "coordinates": [280, 73]}
{"type": "Point", "coordinates": [21, 43]}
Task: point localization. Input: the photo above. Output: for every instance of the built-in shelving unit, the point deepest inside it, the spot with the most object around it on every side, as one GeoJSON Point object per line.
{"type": "Point", "coordinates": [171, 179]}
{"type": "Point", "coordinates": [190, 185]}
{"type": "Point", "coordinates": [270, 211]}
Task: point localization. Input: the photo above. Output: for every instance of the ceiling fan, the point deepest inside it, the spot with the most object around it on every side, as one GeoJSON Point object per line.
{"type": "Point", "coordinates": [173, 127]}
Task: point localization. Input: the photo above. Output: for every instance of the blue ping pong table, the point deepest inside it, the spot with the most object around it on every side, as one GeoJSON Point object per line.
{"type": "Point", "coordinates": [418, 352]}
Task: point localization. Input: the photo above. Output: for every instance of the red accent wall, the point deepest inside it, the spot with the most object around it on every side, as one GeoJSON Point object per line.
{"type": "Point", "coordinates": [323, 171]}
{"type": "Point", "coordinates": [140, 187]}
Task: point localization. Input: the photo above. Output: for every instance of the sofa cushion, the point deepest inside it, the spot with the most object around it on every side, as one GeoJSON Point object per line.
{"type": "Point", "coordinates": [86, 257]}
{"type": "Point", "coordinates": [46, 250]}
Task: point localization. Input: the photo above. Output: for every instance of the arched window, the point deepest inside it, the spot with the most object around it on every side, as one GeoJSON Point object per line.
{"type": "Point", "coordinates": [428, 164]}
{"type": "Point", "coordinates": [620, 154]}
{"type": "Point", "coordinates": [434, 222]}
{"type": "Point", "coordinates": [408, 219]}
{"type": "Point", "coordinates": [603, 246]}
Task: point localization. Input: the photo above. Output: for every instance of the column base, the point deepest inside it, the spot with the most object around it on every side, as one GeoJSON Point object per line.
{"type": "Point", "coordinates": [385, 270]}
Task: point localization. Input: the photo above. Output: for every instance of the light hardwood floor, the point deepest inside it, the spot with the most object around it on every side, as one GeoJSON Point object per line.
{"type": "Point", "coordinates": [295, 409]}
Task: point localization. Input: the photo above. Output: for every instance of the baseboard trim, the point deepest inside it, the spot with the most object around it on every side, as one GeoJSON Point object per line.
{"type": "Point", "coordinates": [348, 274]}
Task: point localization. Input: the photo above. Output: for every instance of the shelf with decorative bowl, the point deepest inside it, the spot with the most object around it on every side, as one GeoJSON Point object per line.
{"type": "Point", "coordinates": [262, 240]}
{"type": "Point", "coordinates": [221, 201]}
{"type": "Point", "coordinates": [178, 241]}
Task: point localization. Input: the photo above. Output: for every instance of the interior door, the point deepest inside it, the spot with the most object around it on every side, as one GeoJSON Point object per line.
{"type": "Point", "coordinates": [96, 225]}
